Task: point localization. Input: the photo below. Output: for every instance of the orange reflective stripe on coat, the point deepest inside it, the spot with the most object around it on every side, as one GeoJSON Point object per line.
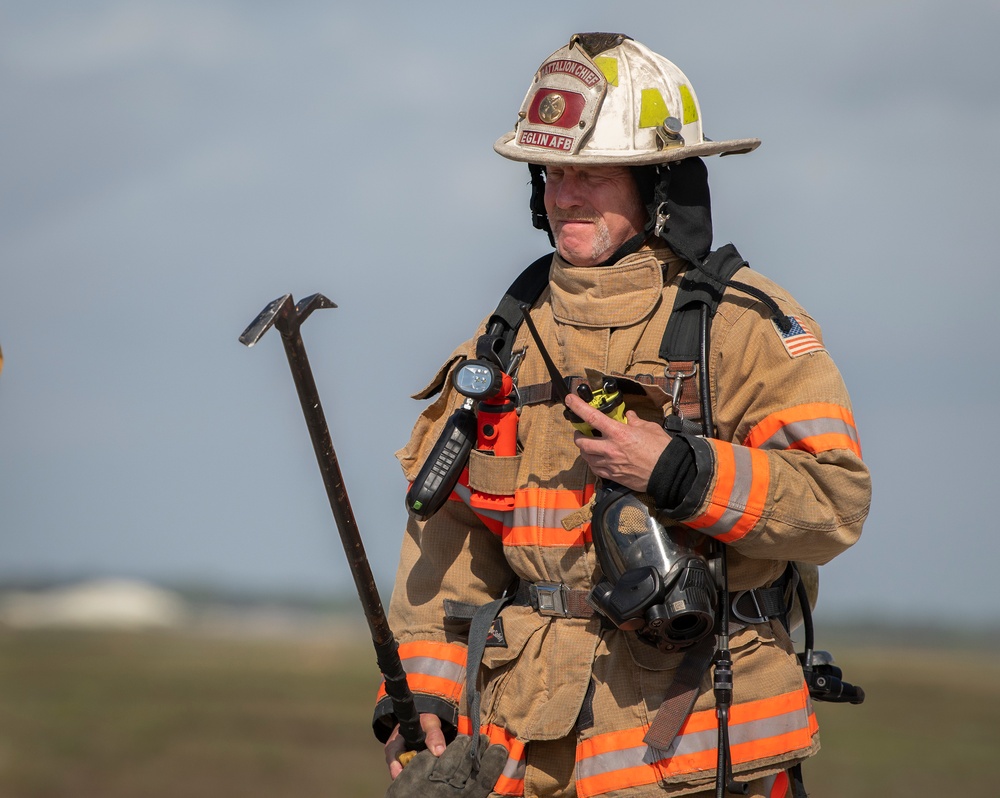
{"type": "Point", "coordinates": [757, 729]}
{"type": "Point", "coordinates": [537, 517]}
{"type": "Point", "coordinates": [434, 668]}
{"type": "Point", "coordinates": [511, 781]}
{"type": "Point", "coordinates": [814, 428]}
{"type": "Point", "coordinates": [742, 479]}
{"type": "Point", "coordinates": [493, 520]}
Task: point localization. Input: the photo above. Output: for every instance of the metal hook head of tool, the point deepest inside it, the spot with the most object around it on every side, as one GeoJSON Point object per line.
{"type": "Point", "coordinates": [284, 314]}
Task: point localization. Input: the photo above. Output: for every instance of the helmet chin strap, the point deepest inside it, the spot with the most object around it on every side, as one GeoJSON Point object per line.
{"type": "Point", "coordinates": [658, 209]}
{"type": "Point", "coordinates": [539, 216]}
{"type": "Point", "coordinates": [652, 183]}
{"type": "Point", "coordinates": [678, 206]}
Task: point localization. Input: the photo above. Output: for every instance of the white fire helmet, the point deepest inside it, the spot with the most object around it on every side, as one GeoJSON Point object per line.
{"type": "Point", "coordinates": [606, 99]}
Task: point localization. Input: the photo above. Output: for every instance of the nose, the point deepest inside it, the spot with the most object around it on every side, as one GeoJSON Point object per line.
{"type": "Point", "coordinates": [568, 191]}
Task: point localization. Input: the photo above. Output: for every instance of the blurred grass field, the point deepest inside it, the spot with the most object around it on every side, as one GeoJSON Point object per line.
{"type": "Point", "coordinates": [151, 715]}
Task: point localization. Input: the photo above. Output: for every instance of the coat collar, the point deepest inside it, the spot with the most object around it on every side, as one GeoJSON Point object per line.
{"type": "Point", "coordinates": [619, 295]}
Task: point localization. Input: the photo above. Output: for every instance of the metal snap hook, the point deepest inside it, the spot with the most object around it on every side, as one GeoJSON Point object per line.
{"type": "Point", "coordinates": [677, 387]}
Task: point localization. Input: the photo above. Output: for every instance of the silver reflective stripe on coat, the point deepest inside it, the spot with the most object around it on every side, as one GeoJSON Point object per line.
{"type": "Point", "coordinates": [796, 431]}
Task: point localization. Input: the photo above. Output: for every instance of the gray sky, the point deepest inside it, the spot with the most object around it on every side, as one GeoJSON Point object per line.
{"type": "Point", "coordinates": [168, 168]}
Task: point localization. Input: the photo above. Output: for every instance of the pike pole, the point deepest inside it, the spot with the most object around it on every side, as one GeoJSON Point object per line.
{"type": "Point", "coordinates": [288, 317]}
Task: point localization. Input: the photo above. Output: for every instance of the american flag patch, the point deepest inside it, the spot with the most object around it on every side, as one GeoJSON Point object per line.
{"type": "Point", "coordinates": [798, 340]}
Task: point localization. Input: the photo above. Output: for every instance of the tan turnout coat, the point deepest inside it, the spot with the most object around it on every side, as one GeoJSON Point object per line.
{"type": "Point", "coordinates": [783, 481]}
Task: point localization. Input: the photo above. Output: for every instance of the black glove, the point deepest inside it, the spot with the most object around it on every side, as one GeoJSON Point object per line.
{"type": "Point", "coordinates": [450, 775]}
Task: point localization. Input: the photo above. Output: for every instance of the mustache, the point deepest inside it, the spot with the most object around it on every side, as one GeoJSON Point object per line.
{"type": "Point", "coordinates": [575, 216]}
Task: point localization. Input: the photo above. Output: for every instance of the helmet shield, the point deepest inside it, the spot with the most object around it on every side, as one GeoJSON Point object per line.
{"type": "Point", "coordinates": [560, 110]}
{"type": "Point", "coordinates": [606, 99]}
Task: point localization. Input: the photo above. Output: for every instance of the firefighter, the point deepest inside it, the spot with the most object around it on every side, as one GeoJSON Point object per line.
{"type": "Point", "coordinates": [750, 450]}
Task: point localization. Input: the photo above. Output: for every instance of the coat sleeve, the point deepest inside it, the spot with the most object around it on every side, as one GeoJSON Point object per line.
{"type": "Point", "coordinates": [448, 563]}
{"type": "Point", "coordinates": [784, 480]}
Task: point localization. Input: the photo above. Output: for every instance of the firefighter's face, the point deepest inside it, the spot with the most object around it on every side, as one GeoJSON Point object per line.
{"type": "Point", "coordinates": [592, 210]}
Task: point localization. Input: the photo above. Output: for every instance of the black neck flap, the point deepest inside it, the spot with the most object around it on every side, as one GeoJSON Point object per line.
{"type": "Point", "coordinates": [683, 187]}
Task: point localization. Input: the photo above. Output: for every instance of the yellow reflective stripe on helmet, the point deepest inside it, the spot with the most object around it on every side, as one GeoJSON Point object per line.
{"type": "Point", "coordinates": [688, 104]}
{"type": "Point", "coordinates": [608, 67]}
{"type": "Point", "coordinates": [653, 109]}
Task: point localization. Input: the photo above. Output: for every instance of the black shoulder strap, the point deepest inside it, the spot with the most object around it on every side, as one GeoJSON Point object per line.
{"type": "Point", "coordinates": [700, 285]}
{"type": "Point", "coordinates": [496, 343]}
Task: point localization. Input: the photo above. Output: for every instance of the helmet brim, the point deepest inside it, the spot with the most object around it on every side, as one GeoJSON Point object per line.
{"type": "Point", "coordinates": [506, 147]}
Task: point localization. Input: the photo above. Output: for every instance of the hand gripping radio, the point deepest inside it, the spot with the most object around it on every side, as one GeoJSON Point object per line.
{"type": "Point", "coordinates": [607, 399]}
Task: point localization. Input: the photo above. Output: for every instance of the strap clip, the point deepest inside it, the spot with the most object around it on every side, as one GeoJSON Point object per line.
{"type": "Point", "coordinates": [678, 386]}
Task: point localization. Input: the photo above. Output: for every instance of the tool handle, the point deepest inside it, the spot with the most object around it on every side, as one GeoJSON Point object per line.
{"type": "Point", "coordinates": [287, 318]}
{"type": "Point", "coordinates": [326, 457]}
{"type": "Point", "coordinates": [387, 656]}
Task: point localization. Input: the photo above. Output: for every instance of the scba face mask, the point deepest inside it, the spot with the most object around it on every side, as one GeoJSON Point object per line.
{"type": "Point", "coordinates": [658, 579]}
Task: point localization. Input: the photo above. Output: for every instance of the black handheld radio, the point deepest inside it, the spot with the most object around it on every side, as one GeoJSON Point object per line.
{"type": "Point", "coordinates": [488, 417]}
{"type": "Point", "coordinates": [440, 472]}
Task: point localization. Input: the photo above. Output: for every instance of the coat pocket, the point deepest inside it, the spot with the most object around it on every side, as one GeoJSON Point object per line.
{"type": "Point", "coordinates": [501, 673]}
{"type": "Point", "coordinates": [494, 476]}
{"type": "Point", "coordinates": [656, 671]}
{"type": "Point", "coordinates": [520, 624]}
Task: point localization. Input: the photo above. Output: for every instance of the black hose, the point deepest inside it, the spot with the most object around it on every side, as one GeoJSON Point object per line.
{"type": "Point", "coordinates": [707, 422]}
{"type": "Point", "coordinates": [724, 781]}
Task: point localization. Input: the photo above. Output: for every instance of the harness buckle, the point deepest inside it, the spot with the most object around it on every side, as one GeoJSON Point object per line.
{"type": "Point", "coordinates": [759, 611]}
{"type": "Point", "coordinates": [761, 603]}
{"type": "Point", "coordinates": [550, 598]}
